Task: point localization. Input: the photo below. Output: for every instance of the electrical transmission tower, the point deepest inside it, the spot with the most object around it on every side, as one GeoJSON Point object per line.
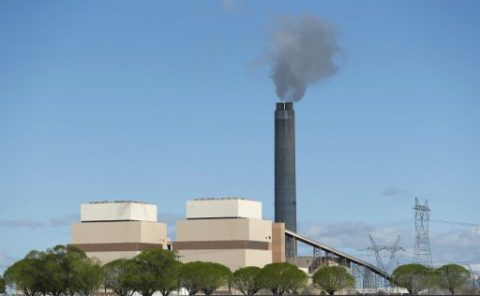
{"type": "Point", "coordinates": [392, 250]}
{"type": "Point", "coordinates": [422, 252]}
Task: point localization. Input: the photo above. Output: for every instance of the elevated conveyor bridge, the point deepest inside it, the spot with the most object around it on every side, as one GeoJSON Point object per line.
{"type": "Point", "coordinates": [367, 275]}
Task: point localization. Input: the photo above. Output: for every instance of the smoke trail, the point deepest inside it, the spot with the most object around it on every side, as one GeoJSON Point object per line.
{"type": "Point", "coordinates": [302, 53]}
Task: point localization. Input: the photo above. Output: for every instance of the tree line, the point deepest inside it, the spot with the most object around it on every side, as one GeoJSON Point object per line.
{"type": "Point", "coordinates": [67, 271]}
{"type": "Point", "coordinates": [416, 277]}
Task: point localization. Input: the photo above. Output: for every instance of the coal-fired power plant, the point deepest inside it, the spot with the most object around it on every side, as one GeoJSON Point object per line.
{"type": "Point", "coordinates": [285, 188]}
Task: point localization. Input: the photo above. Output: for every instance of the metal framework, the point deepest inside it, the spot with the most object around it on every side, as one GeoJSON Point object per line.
{"type": "Point", "coordinates": [290, 247]}
{"type": "Point", "coordinates": [422, 252]}
{"type": "Point", "coordinates": [391, 250]}
{"type": "Point", "coordinates": [368, 276]}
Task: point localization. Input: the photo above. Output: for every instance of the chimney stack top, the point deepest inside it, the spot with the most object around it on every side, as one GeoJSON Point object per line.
{"type": "Point", "coordinates": [285, 106]}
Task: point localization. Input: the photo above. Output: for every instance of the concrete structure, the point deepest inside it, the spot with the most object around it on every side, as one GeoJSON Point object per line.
{"type": "Point", "coordinates": [118, 211]}
{"type": "Point", "coordinates": [229, 231]}
{"type": "Point", "coordinates": [285, 183]}
{"type": "Point", "coordinates": [120, 229]}
{"type": "Point", "coordinates": [224, 208]}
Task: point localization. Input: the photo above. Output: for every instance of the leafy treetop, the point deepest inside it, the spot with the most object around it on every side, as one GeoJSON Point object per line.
{"type": "Point", "coordinates": [333, 278]}
{"type": "Point", "coordinates": [246, 280]}
{"type": "Point", "coordinates": [282, 278]}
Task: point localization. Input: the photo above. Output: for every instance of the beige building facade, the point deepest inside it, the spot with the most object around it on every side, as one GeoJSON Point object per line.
{"type": "Point", "coordinates": [229, 231]}
{"type": "Point", "coordinates": [120, 229]}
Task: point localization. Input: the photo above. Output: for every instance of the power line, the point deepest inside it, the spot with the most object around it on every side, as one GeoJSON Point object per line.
{"type": "Point", "coordinates": [455, 222]}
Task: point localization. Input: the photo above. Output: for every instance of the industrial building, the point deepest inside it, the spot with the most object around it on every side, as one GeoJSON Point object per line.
{"type": "Point", "coordinates": [119, 229]}
{"type": "Point", "coordinates": [229, 231]}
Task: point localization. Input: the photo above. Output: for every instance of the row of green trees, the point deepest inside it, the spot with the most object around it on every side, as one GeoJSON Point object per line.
{"type": "Point", "coordinates": [417, 277]}
{"type": "Point", "coordinates": [285, 278]}
{"type": "Point", "coordinates": [124, 276]}
{"type": "Point", "coordinates": [58, 271]}
{"type": "Point", "coordinates": [68, 271]}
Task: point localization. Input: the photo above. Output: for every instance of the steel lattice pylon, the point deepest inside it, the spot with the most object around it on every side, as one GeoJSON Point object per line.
{"type": "Point", "coordinates": [391, 250]}
{"type": "Point", "coordinates": [422, 252]}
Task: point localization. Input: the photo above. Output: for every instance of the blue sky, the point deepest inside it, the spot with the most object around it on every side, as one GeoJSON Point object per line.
{"type": "Point", "coordinates": [169, 101]}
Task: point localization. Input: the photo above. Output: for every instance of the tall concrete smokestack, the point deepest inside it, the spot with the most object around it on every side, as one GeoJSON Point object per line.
{"type": "Point", "coordinates": [285, 188]}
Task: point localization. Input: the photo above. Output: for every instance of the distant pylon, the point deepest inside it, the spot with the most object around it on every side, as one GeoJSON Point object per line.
{"type": "Point", "coordinates": [392, 249]}
{"type": "Point", "coordinates": [422, 252]}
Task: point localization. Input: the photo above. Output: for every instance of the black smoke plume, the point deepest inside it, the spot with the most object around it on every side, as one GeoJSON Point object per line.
{"type": "Point", "coordinates": [302, 53]}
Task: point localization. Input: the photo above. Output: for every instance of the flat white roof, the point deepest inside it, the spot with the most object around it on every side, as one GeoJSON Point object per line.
{"type": "Point", "coordinates": [223, 198]}
{"type": "Point", "coordinates": [229, 207]}
{"type": "Point", "coordinates": [118, 211]}
{"type": "Point", "coordinates": [119, 201]}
